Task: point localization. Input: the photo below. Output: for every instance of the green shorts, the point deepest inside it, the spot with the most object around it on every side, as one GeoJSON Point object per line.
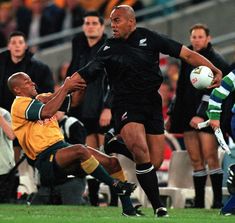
{"type": "Point", "coordinates": [51, 173]}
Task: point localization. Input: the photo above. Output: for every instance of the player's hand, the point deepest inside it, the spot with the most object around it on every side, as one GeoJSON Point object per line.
{"type": "Point", "coordinates": [214, 124]}
{"type": "Point", "coordinates": [72, 85]}
{"type": "Point", "coordinates": [105, 117]}
{"type": "Point", "coordinates": [77, 78]}
{"type": "Point", "coordinates": [195, 120]}
{"type": "Point", "coordinates": [217, 79]}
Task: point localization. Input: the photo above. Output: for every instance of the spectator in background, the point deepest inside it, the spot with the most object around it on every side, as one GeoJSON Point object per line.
{"type": "Point", "coordinates": [92, 111]}
{"type": "Point", "coordinates": [7, 162]}
{"type": "Point", "coordinates": [21, 13]}
{"type": "Point", "coordinates": [91, 5]}
{"type": "Point", "coordinates": [190, 109]}
{"type": "Point", "coordinates": [166, 94]}
{"type": "Point", "coordinates": [18, 58]}
{"type": "Point", "coordinates": [7, 22]}
{"type": "Point", "coordinates": [56, 14]}
{"type": "Point", "coordinates": [39, 24]}
{"type": "Point", "coordinates": [73, 15]}
{"type": "Point", "coordinates": [172, 74]}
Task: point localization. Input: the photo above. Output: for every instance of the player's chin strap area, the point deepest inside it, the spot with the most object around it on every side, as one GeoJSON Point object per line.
{"type": "Point", "coordinates": [219, 136]}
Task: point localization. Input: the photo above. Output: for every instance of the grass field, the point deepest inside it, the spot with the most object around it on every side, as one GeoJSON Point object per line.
{"type": "Point", "coordinates": [66, 214]}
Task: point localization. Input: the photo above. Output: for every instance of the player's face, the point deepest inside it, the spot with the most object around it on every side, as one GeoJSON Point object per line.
{"type": "Point", "coordinates": [17, 46]}
{"type": "Point", "coordinates": [120, 23]}
{"type": "Point", "coordinates": [92, 27]}
{"type": "Point", "coordinates": [199, 39]}
{"type": "Point", "coordinates": [26, 86]}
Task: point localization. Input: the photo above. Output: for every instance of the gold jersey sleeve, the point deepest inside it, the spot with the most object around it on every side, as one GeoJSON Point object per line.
{"type": "Point", "coordinates": [33, 133]}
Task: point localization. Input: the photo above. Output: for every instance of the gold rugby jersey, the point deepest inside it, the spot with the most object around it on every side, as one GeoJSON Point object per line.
{"type": "Point", "coordinates": [34, 134]}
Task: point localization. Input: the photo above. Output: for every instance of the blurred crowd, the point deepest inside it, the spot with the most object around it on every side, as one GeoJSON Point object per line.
{"type": "Point", "coordinates": [38, 18]}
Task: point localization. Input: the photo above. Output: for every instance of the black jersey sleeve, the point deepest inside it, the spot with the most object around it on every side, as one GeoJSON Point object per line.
{"type": "Point", "coordinates": [166, 45]}
{"type": "Point", "coordinates": [66, 103]}
{"type": "Point", "coordinates": [96, 66]}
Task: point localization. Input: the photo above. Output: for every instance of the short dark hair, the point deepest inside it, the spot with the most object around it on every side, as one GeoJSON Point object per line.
{"type": "Point", "coordinates": [96, 14]}
{"type": "Point", "coordinates": [200, 26]}
{"type": "Point", "coordinates": [16, 33]}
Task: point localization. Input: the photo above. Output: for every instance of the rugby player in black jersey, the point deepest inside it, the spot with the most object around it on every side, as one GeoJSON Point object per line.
{"type": "Point", "coordinates": [131, 59]}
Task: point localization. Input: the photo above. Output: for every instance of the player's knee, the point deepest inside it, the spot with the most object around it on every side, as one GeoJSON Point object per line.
{"type": "Point", "coordinates": [196, 160]}
{"type": "Point", "coordinates": [212, 160]}
{"type": "Point", "coordinates": [81, 152]}
{"type": "Point", "coordinates": [114, 164]}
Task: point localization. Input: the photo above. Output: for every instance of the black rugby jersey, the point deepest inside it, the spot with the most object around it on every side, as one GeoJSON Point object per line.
{"type": "Point", "coordinates": [132, 65]}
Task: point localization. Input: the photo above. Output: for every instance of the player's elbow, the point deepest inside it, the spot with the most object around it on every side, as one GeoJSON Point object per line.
{"type": "Point", "coordinates": [46, 113]}
{"type": "Point", "coordinates": [186, 53]}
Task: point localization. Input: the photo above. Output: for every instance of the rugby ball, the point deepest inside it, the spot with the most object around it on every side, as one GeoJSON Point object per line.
{"type": "Point", "coordinates": [201, 77]}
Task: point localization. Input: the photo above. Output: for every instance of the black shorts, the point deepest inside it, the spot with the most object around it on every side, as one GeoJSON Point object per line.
{"type": "Point", "coordinates": [92, 126]}
{"type": "Point", "coordinates": [150, 116]}
{"type": "Point", "coordinates": [51, 173]}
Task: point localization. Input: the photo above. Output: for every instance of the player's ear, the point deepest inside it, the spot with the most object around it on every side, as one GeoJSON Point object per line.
{"type": "Point", "coordinates": [16, 90]}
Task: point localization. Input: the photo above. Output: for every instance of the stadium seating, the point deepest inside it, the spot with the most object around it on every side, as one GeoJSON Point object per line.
{"type": "Point", "coordinates": [180, 184]}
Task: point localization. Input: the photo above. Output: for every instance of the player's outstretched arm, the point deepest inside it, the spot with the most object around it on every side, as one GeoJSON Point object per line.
{"type": "Point", "coordinates": [53, 105]}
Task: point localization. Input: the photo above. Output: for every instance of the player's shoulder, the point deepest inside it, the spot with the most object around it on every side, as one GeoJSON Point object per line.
{"type": "Point", "coordinates": [21, 103]}
{"type": "Point", "coordinates": [145, 31]}
{"type": "Point", "coordinates": [148, 34]}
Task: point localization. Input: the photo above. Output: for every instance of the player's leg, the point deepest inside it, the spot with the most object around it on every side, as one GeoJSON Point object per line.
{"type": "Point", "coordinates": [134, 137]}
{"type": "Point", "coordinates": [156, 148]}
{"type": "Point", "coordinates": [210, 148]}
{"type": "Point", "coordinates": [115, 144]}
{"type": "Point", "coordinates": [193, 146]}
{"type": "Point", "coordinates": [154, 128]}
{"type": "Point", "coordinates": [80, 155]}
{"type": "Point", "coordinates": [93, 184]}
{"type": "Point", "coordinates": [112, 165]}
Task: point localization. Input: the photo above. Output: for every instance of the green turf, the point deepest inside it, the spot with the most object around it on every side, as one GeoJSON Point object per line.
{"type": "Point", "coordinates": [65, 214]}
